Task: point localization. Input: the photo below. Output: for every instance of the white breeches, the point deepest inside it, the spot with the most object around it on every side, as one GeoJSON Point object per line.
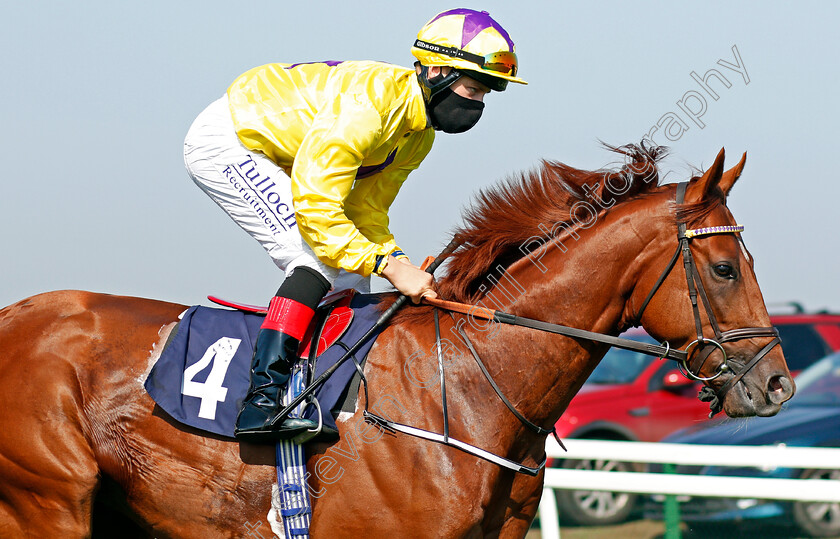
{"type": "Point", "coordinates": [254, 192]}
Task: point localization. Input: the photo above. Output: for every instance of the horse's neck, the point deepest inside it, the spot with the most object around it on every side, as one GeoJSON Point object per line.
{"type": "Point", "coordinates": [584, 282]}
{"type": "Point", "coordinates": [586, 286]}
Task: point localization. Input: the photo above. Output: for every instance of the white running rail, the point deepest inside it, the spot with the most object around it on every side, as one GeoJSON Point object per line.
{"type": "Point", "coordinates": [762, 457]}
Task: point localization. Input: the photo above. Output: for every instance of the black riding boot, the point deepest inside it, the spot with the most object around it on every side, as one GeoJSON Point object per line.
{"type": "Point", "coordinates": [275, 354]}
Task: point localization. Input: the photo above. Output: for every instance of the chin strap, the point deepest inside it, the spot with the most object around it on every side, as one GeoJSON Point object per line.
{"type": "Point", "coordinates": [431, 87]}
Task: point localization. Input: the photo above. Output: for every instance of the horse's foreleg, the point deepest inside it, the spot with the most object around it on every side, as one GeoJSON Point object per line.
{"type": "Point", "coordinates": [522, 507]}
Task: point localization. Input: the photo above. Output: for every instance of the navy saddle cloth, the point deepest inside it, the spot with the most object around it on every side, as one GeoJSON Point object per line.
{"type": "Point", "coordinates": [203, 374]}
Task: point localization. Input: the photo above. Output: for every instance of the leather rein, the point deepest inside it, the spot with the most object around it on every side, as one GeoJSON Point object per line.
{"type": "Point", "coordinates": [690, 361]}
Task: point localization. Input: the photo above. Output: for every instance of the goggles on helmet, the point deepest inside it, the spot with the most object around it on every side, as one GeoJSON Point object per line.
{"type": "Point", "coordinates": [503, 62]}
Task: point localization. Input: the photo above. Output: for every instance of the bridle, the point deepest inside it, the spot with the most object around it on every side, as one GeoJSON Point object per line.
{"type": "Point", "coordinates": [699, 350]}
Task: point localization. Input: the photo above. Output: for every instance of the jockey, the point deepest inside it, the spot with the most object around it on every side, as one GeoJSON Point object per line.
{"type": "Point", "coordinates": [307, 158]}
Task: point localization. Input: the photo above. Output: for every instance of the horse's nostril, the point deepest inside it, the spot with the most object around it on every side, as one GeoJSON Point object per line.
{"type": "Point", "coordinates": [779, 389]}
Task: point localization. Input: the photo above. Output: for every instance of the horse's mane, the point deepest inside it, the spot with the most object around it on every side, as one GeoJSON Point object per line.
{"type": "Point", "coordinates": [504, 217]}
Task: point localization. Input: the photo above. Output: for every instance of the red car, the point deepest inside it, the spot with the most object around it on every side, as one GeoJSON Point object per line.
{"type": "Point", "coordinates": [631, 396]}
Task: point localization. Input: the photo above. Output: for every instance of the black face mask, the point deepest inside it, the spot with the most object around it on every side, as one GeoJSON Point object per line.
{"type": "Point", "coordinates": [452, 113]}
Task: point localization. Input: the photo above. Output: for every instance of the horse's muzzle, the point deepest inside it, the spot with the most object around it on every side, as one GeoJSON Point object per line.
{"type": "Point", "coordinates": [758, 395]}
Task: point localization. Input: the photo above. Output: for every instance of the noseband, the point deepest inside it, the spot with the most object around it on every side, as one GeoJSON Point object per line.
{"type": "Point", "coordinates": [699, 350]}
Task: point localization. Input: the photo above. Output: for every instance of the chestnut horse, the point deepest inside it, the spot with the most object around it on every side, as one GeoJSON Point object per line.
{"type": "Point", "coordinates": [566, 246]}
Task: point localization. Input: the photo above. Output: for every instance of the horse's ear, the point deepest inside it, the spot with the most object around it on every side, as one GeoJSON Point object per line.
{"type": "Point", "coordinates": [707, 183]}
{"type": "Point", "coordinates": [728, 179]}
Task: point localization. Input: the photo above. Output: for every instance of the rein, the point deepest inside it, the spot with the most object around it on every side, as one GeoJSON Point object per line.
{"type": "Point", "coordinates": [663, 350]}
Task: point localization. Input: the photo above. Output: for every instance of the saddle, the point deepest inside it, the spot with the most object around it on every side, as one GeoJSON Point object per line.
{"type": "Point", "coordinates": [203, 373]}
{"type": "Point", "coordinates": [336, 308]}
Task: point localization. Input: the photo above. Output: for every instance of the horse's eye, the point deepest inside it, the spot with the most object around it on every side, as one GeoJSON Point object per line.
{"type": "Point", "coordinates": [725, 270]}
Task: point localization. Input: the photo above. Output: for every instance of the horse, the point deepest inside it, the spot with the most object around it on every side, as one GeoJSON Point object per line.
{"type": "Point", "coordinates": [566, 246]}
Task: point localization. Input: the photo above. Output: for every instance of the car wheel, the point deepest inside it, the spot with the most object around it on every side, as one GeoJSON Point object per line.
{"type": "Point", "coordinates": [591, 507]}
{"type": "Point", "coordinates": [818, 519]}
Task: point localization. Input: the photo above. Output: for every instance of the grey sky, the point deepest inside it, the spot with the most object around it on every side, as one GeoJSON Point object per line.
{"type": "Point", "coordinates": [97, 97]}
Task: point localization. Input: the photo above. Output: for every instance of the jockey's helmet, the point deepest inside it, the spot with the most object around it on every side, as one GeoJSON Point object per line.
{"type": "Point", "coordinates": [469, 40]}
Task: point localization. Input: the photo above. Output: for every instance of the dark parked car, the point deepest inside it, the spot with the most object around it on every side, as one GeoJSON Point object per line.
{"type": "Point", "coordinates": [810, 419]}
{"type": "Point", "coordinates": [631, 396]}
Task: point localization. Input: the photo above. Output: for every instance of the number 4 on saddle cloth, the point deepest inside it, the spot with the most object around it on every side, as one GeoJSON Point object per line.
{"type": "Point", "coordinates": [203, 373]}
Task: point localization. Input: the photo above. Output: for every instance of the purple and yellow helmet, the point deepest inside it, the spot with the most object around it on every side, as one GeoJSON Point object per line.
{"type": "Point", "coordinates": [469, 40]}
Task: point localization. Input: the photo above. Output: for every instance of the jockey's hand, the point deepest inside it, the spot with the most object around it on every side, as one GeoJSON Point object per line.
{"type": "Point", "coordinates": [409, 279]}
